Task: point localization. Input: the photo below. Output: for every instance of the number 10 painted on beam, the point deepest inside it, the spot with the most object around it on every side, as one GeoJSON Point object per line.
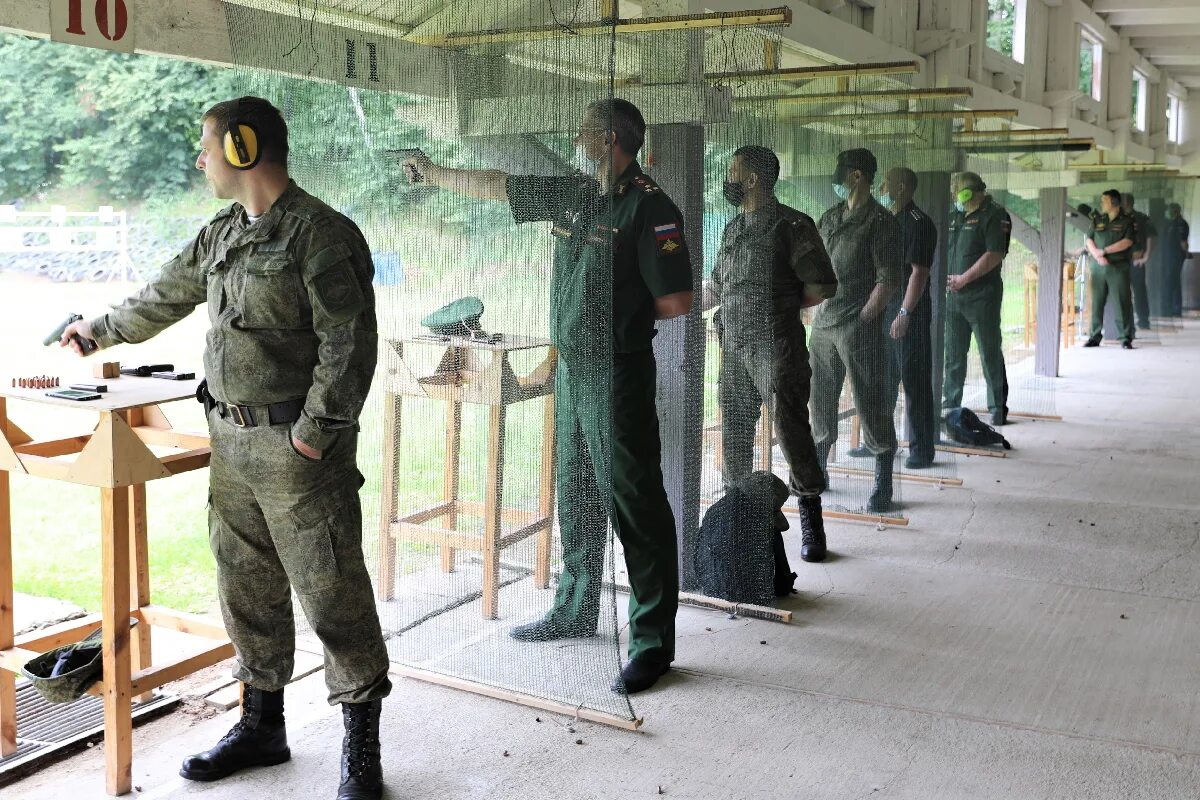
{"type": "Point", "coordinates": [106, 24]}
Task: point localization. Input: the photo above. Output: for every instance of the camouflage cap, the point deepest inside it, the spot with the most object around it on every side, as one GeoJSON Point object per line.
{"type": "Point", "coordinates": [63, 674]}
{"type": "Point", "coordinates": [457, 318]}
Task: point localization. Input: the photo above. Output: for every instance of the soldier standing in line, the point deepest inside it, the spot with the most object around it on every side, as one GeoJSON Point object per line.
{"type": "Point", "coordinates": [1145, 236]}
{"type": "Point", "coordinates": [863, 241]}
{"type": "Point", "coordinates": [289, 361]}
{"type": "Point", "coordinates": [771, 264]}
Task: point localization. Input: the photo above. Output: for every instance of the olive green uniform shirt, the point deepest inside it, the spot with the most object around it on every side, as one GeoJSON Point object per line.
{"type": "Point", "coordinates": [1107, 231]}
{"type": "Point", "coordinates": [866, 249]}
{"type": "Point", "coordinates": [615, 252]}
{"type": "Point", "coordinates": [1144, 230]}
{"type": "Point", "coordinates": [291, 306]}
{"type": "Point", "coordinates": [987, 229]}
{"type": "Point", "coordinates": [767, 260]}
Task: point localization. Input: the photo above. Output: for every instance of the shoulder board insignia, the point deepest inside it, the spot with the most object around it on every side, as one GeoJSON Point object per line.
{"type": "Point", "coordinates": [915, 214]}
{"type": "Point", "coordinates": [645, 184]}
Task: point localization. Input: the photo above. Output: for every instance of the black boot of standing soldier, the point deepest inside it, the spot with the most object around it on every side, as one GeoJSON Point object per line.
{"type": "Point", "coordinates": [257, 740]}
{"type": "Point", "coordinates": [881, 496]}
{"type": "Point", "coordinates": [362, 773]}
{"type": "Point", "coordinates": [812, 529]}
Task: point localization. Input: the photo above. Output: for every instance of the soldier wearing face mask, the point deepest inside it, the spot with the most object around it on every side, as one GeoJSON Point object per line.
{"type": "Point", "coordinates": [863, 239]}
{"type": "Point", "coordinates": [770, 265]}
{"type": "Point", "coordinates": [979, 235]}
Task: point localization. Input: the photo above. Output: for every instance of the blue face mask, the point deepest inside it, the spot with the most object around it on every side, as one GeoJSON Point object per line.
{"type": "Point", "coordinates": [842, 191]}
{"type": "Point", "coordinates": [960, 206]}
{"type": "Point", "coordinates": [885, 200]}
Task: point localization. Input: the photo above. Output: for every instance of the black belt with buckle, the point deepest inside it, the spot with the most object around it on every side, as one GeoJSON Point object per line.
{"type": "Point", "coordinates": [250, 416]}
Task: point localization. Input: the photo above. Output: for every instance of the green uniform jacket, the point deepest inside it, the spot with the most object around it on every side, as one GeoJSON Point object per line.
{"type": "Point", "coordinates": [866, 249]}
{"type": "Point", "coordinates": [767, 260]}
{"type": "Point", "coordinates": [1107, 231]}
{"type": "Point", "coordinates": [987, 229]}
{"type": "Point", "coordinates": [614, 253]}
{"type": "Point", "coordinates": [1144, 230]}
{"type": "Point", "coordinates": [291, 305]}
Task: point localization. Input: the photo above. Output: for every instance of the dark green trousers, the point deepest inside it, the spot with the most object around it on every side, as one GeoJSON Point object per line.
{"type": "Point", "coordinates": [279, 522]}
{"type": "Point", "coordinates": [778, 374]}
{"type": "Point", "coordinates": [1141, 296]}
{"type": "Point", "coordinates": [975, 313]}
{"type": "Point", "coordinates": [912, 365]}
{"type": "Point", "coordinates": [609, 467]}
{"type": "Point", "coordinates": [857, 350]}
{"type": "Point", "coordinates": [1112, 280]}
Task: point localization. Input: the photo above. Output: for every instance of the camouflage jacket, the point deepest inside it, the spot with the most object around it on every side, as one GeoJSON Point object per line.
{"type": "Point", "coordinates": [766, 261]}
{"type": "Point", "coordinates": [291, 306]}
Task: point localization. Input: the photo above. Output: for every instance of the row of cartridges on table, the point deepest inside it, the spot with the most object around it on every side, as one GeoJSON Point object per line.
{"type": "Point", "coordinates": [92, 391]}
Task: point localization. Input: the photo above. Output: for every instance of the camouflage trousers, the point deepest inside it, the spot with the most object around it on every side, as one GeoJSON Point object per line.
{"type": "Point", "coordinates": [279, 521]}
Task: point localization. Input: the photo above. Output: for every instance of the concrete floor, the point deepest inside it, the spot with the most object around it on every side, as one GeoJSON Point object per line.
{"type": "Point", "coordinates": [1035, 634]}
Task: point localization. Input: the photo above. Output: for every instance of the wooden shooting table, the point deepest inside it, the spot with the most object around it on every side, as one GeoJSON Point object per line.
{"type": "Point", "coordinates": [116, 459]}
{"type": "Point", "coordinates": [478, 371]}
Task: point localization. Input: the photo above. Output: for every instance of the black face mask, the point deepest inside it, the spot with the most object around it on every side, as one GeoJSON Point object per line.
{"type": "Point", "coordinates": [735, 192]}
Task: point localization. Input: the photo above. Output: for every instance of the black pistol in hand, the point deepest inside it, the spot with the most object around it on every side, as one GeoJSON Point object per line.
{"type": "Point", "coordinates": [86, 345]}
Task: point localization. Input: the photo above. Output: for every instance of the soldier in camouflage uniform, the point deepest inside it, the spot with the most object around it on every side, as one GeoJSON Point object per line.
{"type": "Point", "coordinates": [620, 263]}
{"type": "Point", "coordinates": [864, 242]}
{"type": "Point", "coordinates": [289, 361]}
{"type": "Point", "coordinates": [771, 264]}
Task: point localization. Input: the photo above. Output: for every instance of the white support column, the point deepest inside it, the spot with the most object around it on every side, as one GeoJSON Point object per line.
{"type": "Point", "coordinates": [1050, 282]}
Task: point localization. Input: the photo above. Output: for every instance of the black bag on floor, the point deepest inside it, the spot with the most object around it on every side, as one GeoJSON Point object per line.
{"type": "Point", "coordinates": [739, 555]}
{"type": "Point", "coordinates": [965, 427]}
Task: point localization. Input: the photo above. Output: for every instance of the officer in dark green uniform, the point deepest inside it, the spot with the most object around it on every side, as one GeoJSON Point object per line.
{"type": "Point", "coordinates": [1111, 244]}
{"type": "Point", "coordinates": [864, 242]}
{"type": "Point", "coordinates": [1175, 250]}
{"type": "Point", "coordinates": [770, 265]}
{"type": "Point", "coordinates": [1145, 236]}
{"type": "Point", "coordinates": [979, 235]}
{"type": "Point", "coordinates": [289, 362]}
{"type": "Point", "coordinates": [620, 263]}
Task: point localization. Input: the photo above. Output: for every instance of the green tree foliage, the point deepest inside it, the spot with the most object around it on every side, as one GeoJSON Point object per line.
{"type": "Point", "coordinates": [1001, 23]}
{"type": "Point", "coordinates": [126, 125]}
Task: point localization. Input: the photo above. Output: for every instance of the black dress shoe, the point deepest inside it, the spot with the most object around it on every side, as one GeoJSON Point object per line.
{"type": "Point", "coordinates": [639, 675]}
{"type": "Point", "coordinates": [1093, 342]}
{"type": "Point", "coordinates": [812, 529]}
{"type": "Point", "coordinates": [362, 772]}
{"type": "Point", "coordinates": [859, 452]}
{"type": "Point", "coordinates": [918, 462]}
{"type": "Point", "coordinates": [1127, 344]}
{"type": "Point", "coordinates": [545, 630]}
{"type": "Point", "coordinates": [258, 739]}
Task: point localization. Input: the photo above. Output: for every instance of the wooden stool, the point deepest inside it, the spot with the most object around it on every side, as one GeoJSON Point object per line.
{"type": "Point", "coordinates": [115, 459]}
{"type": "Point", "coordinates": [479, 372]}
{"type": "Point", "coordinates": [1031, 287]}
{"type": "Point", "coordinates": [1068, 330]}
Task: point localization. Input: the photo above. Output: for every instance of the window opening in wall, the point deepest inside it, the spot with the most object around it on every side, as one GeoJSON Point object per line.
{"type": "Point", "coordinates": [1091, 56]}
{"type": "Point", "coordinates": [1140, 92]}
{"type": "Point", "coordinates": [1173, 114]}
{"type": "Point", "coordinates": [1006, 28]}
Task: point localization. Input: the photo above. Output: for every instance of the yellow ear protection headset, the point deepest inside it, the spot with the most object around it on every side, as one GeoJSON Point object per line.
{"type": "Point", "coordinates": [241, 142]}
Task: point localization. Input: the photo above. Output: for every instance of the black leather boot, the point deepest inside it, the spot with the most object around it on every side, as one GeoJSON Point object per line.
{"type": "Point", "coordinates": [881, 496]}
{"type": "Point", "coordinates": [257, 740]}
{"type": "Point", "coordinates": [362, 774]}
{"type": "Point", "coordinates": [812, 529]}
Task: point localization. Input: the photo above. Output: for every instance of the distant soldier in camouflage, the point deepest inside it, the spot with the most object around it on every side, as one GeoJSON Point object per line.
{"type": "Point", "coordinates": [770, 265]}
{"type": "Point", "coordinates": [864, 242]}
{"type": "Point", "coordinates": [289, 361]}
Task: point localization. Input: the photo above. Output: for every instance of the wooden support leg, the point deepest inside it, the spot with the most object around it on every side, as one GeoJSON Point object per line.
{"type": "Point", "coordinates": [139, 584]}
{"type": "Point", "coordinates": [385, 588]}
{"type": "Point", "coordinates": [114, 606]}
{"type": "Point", "coordinates": [8, 695]}
{"type": "Point", "coordinates": [545, 540]}
{"type": "Point", "coordinates": [492, 508]}
{"type": "Point", "coordinates": [855, 431]}
{"type": "Point", "coordinates": [450, 475]}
